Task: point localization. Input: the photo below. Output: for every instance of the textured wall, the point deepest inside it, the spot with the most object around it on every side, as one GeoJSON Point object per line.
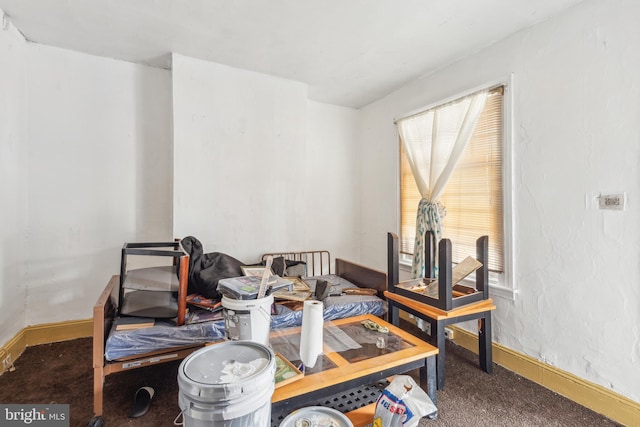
{"type": "Point", "coordinates": [13, 181]}
{"type": "Point", "coordinates": [575, 135]}
{"type": "Point", "coordinates": [257, 167]}
{"type": "Point", "coordinates": [99, 174]}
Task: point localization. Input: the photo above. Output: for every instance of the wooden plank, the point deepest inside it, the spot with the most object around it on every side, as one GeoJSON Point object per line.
{"type": "Point", "coordinates": [362, 276]}
{"type": "Point", "coordinates": [334, 356]}
{"type": "Point", "coordinates": [100, 312]}
{"type": "Point", "coordinates": [436, 313]}
{"type": "Point", "coordinates": [99, 316]}
{"type": "Point", "coordinates": [147, 360]}
{"type": "Point", "coordinates": [362, 417]}
{"type": "Point", "coordinates": [159, 352]}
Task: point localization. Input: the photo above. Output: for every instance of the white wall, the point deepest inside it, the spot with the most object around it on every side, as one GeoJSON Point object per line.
{"type": "Point", "coordinates": [99, 174]}
{"type": "Point", "coordinates": [330, 180]}
{"type": "Point", "coordinates": [257, 166]}
{"type": "Point", "coordinates": [13, 181]}
{"type": "Point", "coordinates": [91, 169]}
{"type": "Point", "coordinates": [576, 134]}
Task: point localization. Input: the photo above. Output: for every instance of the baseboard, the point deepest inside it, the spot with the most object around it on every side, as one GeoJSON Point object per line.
{"type": "Point", "coordinates": [42, 334]}
{"type": "Point", "coordinates": [595, 397]}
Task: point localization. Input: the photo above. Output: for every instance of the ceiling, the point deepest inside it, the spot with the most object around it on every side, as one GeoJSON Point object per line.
{"type": "Point", "coordinates": [349, 52]}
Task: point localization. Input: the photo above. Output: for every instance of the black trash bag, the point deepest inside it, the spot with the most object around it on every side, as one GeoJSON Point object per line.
{"type": "Point", "coordinates": [205, 270]}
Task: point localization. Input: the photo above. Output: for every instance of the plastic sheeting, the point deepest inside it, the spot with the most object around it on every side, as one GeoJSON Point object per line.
{"type": "Point", "coordinates": [289, 344]}
{"type": "Point", "coordinates": [335, 307]}
{"type": "Point", "coordinates": [164, 335]}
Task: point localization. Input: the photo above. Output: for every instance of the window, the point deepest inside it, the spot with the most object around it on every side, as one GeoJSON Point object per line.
{"type": "Point", "coordinates": [473, 197]}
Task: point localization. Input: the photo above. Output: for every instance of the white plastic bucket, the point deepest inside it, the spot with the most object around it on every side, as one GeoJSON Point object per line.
{"type": "Point", "coordinates": [247, 319]}
{"type": "Point", "coordinates": [316, 416]}
{"type": "Point", "coordinates": [228, 385]}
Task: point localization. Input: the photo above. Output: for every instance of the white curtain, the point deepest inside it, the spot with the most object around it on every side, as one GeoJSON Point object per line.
{"type": "Point", "coordinates": [434, 140]}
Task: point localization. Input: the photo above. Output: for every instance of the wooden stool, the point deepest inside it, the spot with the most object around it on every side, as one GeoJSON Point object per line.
{"type": "Point", "coordinates": [438, 319]}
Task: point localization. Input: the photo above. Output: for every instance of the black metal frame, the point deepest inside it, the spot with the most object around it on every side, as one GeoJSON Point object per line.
{"type": "Point", "coordinates": [148, 249]}
{"type": "Point", "coordinates": [445, 300]}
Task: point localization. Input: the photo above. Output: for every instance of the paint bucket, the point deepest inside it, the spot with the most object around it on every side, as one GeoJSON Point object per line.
{"type": "Point", "coordinates": [228, 385]}
{"type": "Point", "coordinates": [316, 416]}
{"type": "Point", "coordinates": [247, 319]}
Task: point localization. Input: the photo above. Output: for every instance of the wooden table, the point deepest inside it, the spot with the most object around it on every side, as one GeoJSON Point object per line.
{"type": "Point", "coordinates": [438, 319]}
{"type": "Point", "coordinates": [338, 370]}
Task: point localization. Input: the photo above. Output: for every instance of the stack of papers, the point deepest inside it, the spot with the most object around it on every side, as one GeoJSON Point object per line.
{"type": "Point", "coordinates": [246, 287]}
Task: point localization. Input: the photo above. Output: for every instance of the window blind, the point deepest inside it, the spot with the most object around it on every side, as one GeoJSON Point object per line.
{"type": "Point", "coordinates": [473, 196]}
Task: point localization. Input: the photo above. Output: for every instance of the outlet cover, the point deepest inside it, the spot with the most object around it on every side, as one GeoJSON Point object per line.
{"type": "Point", "coordinates": [612, 201]}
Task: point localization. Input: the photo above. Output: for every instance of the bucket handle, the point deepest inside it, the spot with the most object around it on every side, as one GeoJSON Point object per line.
{"type": "Point", "coordinates": [181, 414]}
{"type": "Point", "coordinates": [175, 421]}
{"type": "Point", "coordinates": [266, 314]}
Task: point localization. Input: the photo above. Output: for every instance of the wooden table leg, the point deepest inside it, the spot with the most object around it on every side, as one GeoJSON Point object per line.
{"type": "Point", "coordinates": [484, 343]}
{"type": "Point", "coordinates": [394, 313]}
{"type": "Point", "coordinates": [428, 378]}
{"type": "Point", "coordinates": [98, 384]}
{"type": "Point", "coordinates": [437, 335]}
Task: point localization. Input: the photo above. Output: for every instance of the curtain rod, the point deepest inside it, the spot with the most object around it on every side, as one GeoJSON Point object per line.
{"type": "Point", "coordinates": [491, 89]}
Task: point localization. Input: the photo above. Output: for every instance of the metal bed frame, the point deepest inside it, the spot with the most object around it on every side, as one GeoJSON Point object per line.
{"type": "Point", "coordinates": [318, 262]}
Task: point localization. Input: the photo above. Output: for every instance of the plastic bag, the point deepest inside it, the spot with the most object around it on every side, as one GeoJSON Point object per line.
{"type": "Point", "coordinates": [402, 403]}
